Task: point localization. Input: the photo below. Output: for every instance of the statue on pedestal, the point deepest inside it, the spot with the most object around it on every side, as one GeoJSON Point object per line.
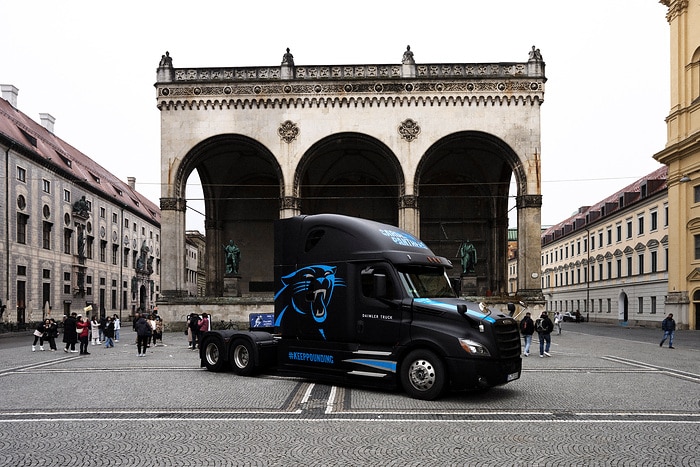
{"type": "Point", "coordinates": [233, 258]}
{"type": "Point", "coordinates": [467, 254]}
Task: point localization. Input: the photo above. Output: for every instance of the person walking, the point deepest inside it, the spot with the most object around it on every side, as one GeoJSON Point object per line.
{"type": "Point", "coordinates": [203, 326]}
{"type": "Point", "coordinates": [95, 330]}
{"type": "Point", "coordinates": [193, 324]}
{"type": "Point", "coordinates": [668, 326]}
{"type": "Point", "coordinates": [52, 334]}
{"type": "Point", "coordinates": [158, 331]}
{"type": "Point", "coordinates": [109, 333]}
{"type": "Point", "coordinates": [39, 336]}
{"type": "Point", "coordinates": [83, 328]}
{"type": "Point", "coordinates": [558, 318]}
{"type": "Point", "coordinates": [117, 327]}
{"type": "Point", "coordinates": [70, 334]}
{"type": "Point", "coordinates": [527, 329]}
{"type": "Point", "coordinates": [143, 334]}
{"type": "Point", "coordinates": [544, 328]}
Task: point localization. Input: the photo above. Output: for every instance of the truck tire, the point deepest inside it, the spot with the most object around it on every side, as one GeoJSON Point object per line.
{"type": "Point", "coordinates": [242, 357]}
{"type": "Point", "coordinates": [213, 354]}
{"type": "Point", "coordinates": [423, 375]}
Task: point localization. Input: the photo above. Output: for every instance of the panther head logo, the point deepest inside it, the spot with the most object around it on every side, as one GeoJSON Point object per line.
{"type": "Point", "coordinates": [308, 291]}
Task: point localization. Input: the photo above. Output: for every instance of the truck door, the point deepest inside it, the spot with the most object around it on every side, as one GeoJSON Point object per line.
{"type": "Point", "coordinates": [378, 315]}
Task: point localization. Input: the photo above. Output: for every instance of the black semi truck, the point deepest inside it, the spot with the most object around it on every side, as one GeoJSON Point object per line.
{"type": "Point", "coordinates": [364, 303]}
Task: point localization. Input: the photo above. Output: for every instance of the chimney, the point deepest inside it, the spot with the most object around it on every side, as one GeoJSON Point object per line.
{"type": "Point", "coordinates": [132, 182]}
{"type": "Point", "coordinates": [47, 121]}
{"type": "Point", "coordinates": [9, 93]}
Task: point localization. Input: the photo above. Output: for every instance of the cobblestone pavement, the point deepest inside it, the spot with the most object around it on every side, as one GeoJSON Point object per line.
{"type": "Point", "coordinates": [607, 396]}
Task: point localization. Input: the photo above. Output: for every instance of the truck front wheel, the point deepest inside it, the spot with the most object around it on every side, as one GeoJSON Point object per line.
{"type": "Point", "coordinates": [213, 355]}
{"type": "Point", "coordinates": [242, 357]}
{"type": "Point", "coordinates": [423, 375]}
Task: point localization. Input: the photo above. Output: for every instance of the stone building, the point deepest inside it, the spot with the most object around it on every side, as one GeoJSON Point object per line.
{"type": "Point", "coordinates": [196, 240]}
{"type": "Point", "coordinates": [682, 156]}
{"type": "Point", "coordinates": [71, 233]}
{"type": "Point", "coordinates": [610, 261]}
{"type": "Point", "coordinates": [428, 147]}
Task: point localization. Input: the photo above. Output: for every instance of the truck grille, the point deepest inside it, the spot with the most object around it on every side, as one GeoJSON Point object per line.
{"type": "Point", "coordinates": [508, 338]}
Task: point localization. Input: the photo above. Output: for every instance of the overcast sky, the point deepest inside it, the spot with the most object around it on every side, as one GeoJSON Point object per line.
{"type": "Point", "coordinates": [92, 65]}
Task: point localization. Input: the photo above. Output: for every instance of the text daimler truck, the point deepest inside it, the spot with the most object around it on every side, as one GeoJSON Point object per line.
{"type": "Point", "coordinates": [363, 303]}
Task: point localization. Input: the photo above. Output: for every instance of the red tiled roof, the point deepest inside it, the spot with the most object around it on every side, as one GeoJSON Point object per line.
{"type": "Point", "coordinates": [37, 142]}
{"type": "Point", "coordinates": [632, 192]}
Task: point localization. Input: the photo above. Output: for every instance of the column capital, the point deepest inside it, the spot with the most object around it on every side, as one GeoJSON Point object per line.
{"type": "Point", "coordinates": [528, 201]}
{"type": "Point", "coordinates": [173, 204]}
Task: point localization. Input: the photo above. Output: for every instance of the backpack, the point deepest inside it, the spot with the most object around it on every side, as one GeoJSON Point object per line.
{"type": "Point", "coordinates": [539, 325]}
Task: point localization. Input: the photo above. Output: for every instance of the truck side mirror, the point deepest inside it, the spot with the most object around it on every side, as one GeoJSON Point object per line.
{"type": "Point", "coordinates": [379, 285]}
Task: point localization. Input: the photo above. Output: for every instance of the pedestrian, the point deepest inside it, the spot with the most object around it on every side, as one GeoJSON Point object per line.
{"type": "Point", "coordinates": [193, 324]}
{"type": "Point", "coordinates": [83, 329]}
{"type": "Point", "coordinates": [544, 328]}
{"type": "Point", "coordinates": [101, 328]}
{"type": "Point", "coordinates": [668, 326]}
{"type": "Point", "coordinates": [109, 333]}
{"type": "Point", "coordinates": [158, 331]}
{"type": "Point", "coordinates": [117, 326]}
{"type": "Point", "coordinates": [39, 336]}
{"type": "Point", "coordinates": [557, 321]}
{"type": "Point", "coordinates": [527, 329]}
{"type": "Point", "coordinates": [70, 333]}
{"type": "Point", "coordinates": [152, 323]}
{"type": "Point", "coordinates": [143, 333]}
{"type": "Point", "coordinates": [203, 327]}
{"type": "Point", "coordinates": [52, 334]}
{"type": "Point", "coordinates": [95, 324]}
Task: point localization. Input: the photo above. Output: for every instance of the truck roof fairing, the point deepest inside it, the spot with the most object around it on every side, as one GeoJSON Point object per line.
{"type": "Point", "coordinates": [343, 238]}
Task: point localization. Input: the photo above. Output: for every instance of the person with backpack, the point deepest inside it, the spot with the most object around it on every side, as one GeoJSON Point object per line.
{"type": "Point", "coordinates": [544, 328]}
{"type": "Point", "coordinates": [527, 329]}
{"type": "Point", "coordinates": [668, 326]}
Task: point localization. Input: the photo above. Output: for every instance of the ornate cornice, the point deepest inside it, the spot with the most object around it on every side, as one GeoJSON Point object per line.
{"type": "Point", "coordinates": [529, 201]}
{"type": "Point", "coordinates": [675, 8]}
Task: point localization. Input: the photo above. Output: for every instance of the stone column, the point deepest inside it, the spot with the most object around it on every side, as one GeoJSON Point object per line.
{"type": "Point", "coordinates": [529, 247]}
{"type": "Point", "coordinates": [290, 206]}
{"type": "Point", "coordinates": [409, 215]}
{"type": "Point", "coordinates": [213, 254]}
{"type": "Point", "coordinates": [172, 233]}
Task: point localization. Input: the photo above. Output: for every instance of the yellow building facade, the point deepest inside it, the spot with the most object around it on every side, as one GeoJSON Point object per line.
{"type": "Point", "coordinates": [682, 156]}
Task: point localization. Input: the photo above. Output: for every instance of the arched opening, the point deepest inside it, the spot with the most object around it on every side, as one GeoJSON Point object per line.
{"type": "Point", "coordinates": [462, 184]}
{"type": "Point", "coordinates": [241, 184]}
{"type": "Point", "coordinates": [350, 174]}
{"type": "Point", "coordinates": [623, 307]}
{"type": "Point", "coordinates": [696, 310]}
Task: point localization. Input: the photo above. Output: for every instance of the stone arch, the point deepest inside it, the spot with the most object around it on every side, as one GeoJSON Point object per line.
{"type": "Point", "coordinates": [461, 198]}
{"type": "Point", "coordinates": [350, 173]}
{"type": "Point", "coordinates": [243, 185]}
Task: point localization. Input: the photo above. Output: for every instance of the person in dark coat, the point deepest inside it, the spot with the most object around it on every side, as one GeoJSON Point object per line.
{"type": "Point", "coordinates": [527, 329]}
{"type": "Point", "coordinates": [544, 328]}
{"type": "Point", "coordinates": [143, 334]}
{"type": "Point", "coordinates": [70, 336]}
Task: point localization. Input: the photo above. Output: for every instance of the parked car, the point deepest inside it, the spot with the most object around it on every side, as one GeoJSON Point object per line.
{"type": "Point", "coordinates": [574, 317]}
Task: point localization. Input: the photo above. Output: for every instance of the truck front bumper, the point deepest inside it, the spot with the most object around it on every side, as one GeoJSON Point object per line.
{"type": "Point", "coordinates": [475, 373]}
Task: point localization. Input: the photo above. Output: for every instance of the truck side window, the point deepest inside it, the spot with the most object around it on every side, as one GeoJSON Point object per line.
{"type": "Point", "coordinates": [313, 238]}
{"type": "Point", "coordinates": [367, 281]}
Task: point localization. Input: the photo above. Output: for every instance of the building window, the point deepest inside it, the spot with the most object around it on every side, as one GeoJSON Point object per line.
{"type": "Point", "coordinates": [696, 193]}
{"type": "Point", "coordinates": [46, 186]}
{"type": "Point", "coordinates": [653, 305]}
{"type": "Point", "coordinates": [46, 273]}
{"type": "Point", "coordinates": [66, 196]}
{"type": "Point", "coordinates": [618, 233]}
{"type": "Point", "coordinates": [610, 275]}
{"type": "Point", "coordinates": [67, 236]}
{"type": "Point", "coordinates": [641, 305]}
{"type": "Point", "coordinates": [21, 270]}
{"type": "Point", "coordinates": [66, 289]}
{"type": "Point", "coordinates": [629, 266]}
{"type": "Point", "coordinates": [103, 251]}
{"type": "Point", "coordinates": [609, 236]}
{"type": "Point", "coordinates": [114, 217]}
{"type": "Point", "coordinates": [619, 268]}
{"type": "Point", "coordinates": [89, 246]}
{"type": "Point", "coordinates": [46, 235]}
{"type": "Point", "coordinates": [21, 174]}
{"type": "Point", "coordinates": [103, 213]}
{"type": "Point", "coordinates": [654, 261]}
{"type": "Point", "coordinates": [654, 221]}
{"type": "Point", "coordinates": [640, 225]}
{"type": "Point", "coordinates": [126, 258]}
{"type": "Point", "coordinates": [22, 220]}
{"type": "Point", "coordinates": [641, 264]}
{"type": "Point", "coordinates": [115, 253]}
{"type": "Point", "coordinates": [126, 223]}
{"type": "Point", "coordinates": [629, 228]}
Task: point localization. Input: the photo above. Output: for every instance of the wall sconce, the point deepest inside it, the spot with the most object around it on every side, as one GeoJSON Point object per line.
{"type": "Point", "coordinates": [684, 179]}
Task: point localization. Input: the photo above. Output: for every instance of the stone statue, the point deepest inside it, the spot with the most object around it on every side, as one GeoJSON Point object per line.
{"type": "Point", "coordinates": [535, 54]}
{"type": "Point", "coordinates": [288, 58]}
{"type": "Point", "coordinates": [81, 208]}
{"type": "Point", "coordinates": [166, 61]}
{"type": "Point", "coordinates": [467, 254]}
{"type": "Point", "coordinates": [408, 57]}
{"type": "Point", "coordinates": [143, 256]}
{"type": "Point", "coordinates": [233, 258]}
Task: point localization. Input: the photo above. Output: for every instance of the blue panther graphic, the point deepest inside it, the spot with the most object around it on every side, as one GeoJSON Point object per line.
{"type": "Point", "coordinates": [308, 291]}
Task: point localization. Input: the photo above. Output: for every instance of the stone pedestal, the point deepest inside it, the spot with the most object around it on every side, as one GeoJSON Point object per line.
{"type": "Point", "coordinates": [232, 286]}
{"type": "Point", "coordinates": [468, 285]}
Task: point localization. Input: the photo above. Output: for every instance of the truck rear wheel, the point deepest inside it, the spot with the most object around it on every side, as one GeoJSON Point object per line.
{"type": "Point", "coordinates": [242, 357]}
{"type": "Point", "coordinates": [213, 355]}
{"type": "Point", "coordinates": [423, 375]}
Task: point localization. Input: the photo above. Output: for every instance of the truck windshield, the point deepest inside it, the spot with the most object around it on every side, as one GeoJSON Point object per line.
{"type": "Point", "coordinates": [426, 283]}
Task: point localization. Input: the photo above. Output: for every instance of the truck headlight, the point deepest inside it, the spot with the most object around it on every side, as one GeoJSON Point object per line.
{"type": "Point", "coordinates": [474, 348]}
